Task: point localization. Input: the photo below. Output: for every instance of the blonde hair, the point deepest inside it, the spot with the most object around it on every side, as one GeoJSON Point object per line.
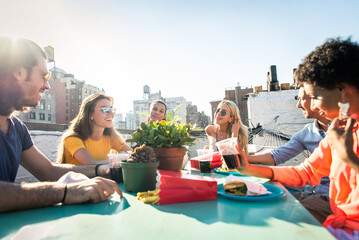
{"type": "Point", "coordinates": [243, 130]}
{"type": "Point", "coordinates": [82, 126]}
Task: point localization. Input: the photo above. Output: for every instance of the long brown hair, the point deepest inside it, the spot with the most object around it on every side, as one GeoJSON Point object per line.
{"type": "Point", "coordinates": [243, 130]}
{"type": "Point", "coordinates": [82, 126]}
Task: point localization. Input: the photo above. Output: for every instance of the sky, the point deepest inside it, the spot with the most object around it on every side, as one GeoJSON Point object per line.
{"type": "Point", "coordinates": [191, 48]}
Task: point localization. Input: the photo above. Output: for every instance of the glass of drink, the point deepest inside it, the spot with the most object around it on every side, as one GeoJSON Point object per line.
{"type": "Point", "coordinates": [205, 160]}
{"type": "Point", "coordinates": [227, 149]}
{"type": "Point", "coordinates": [115, 162]}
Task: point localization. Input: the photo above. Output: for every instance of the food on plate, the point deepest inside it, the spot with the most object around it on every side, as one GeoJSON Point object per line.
{"type": "Point", "coordinates": [222, 169]}
{"type": "Point", "coordinates": [237, 188]}
{"type": "Point", "coordinates": [149, 196]}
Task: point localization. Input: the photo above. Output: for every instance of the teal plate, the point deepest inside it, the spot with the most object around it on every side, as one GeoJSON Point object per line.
{"type": "Point", "coordinates": [275, 192]}
{"type": "Point", "coordinates": [227, 172]}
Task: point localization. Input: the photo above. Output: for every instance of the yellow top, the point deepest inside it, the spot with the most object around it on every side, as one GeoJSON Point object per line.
{"type": "Point", "coordinates": [98, 149]}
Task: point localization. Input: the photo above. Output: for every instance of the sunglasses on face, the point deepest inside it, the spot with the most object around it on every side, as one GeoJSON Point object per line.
{"type": "Point", "coordinates": [107, 110]}
{"type": "Point", "coordinates": [222, 112]}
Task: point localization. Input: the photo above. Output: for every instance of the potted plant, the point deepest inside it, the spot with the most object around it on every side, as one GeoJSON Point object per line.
{"type": "Point", "coordinates": [169, 141]}
{"type": "Point", "coordinates": [140, 170]}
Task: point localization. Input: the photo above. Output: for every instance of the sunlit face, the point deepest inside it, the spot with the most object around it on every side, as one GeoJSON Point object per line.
{"type": "Point", "coordinates": [304, 103]}
{"type": "Point", "coordinates": [34, 84]}
{"type": "Point", "coordinates": [99, 118]}
{"type": "Point", "coordinates": [324, 101]}
{"type": "Point", "coordinates": [157, 112]}
{"type": "Point", "coordinates": [222, 114]}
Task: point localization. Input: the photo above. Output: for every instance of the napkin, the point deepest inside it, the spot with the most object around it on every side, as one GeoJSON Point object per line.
{"type": "Point", "coordinates": [253, 189]}
{"type": "Point", "coordinates": [72, 177]}
{"type": "Point", "coordinates": [252, 148]}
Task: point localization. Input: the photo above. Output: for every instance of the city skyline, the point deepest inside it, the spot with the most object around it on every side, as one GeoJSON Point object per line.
{"type": "Point", "coordinates": [194, 49]}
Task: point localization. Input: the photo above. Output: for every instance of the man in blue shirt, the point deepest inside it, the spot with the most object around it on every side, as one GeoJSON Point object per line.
{"type": "Point", "coordinates": [306, 139]}
{"type": "Point", "coordinates": [23, 78]}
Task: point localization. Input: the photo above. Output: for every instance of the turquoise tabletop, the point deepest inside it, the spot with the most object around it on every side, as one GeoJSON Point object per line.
{"type": "Point", "coordinates": [128, 218]}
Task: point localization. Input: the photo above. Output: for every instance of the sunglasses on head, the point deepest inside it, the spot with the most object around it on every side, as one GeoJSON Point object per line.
{"type": "Point", "coordinates": [223, 112]}
{"type": "Point", "coordinates": [107, 110]}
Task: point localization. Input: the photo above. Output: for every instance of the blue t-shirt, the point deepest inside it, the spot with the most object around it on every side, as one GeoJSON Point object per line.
{"type": "Point", "coordinates": [12, 145]}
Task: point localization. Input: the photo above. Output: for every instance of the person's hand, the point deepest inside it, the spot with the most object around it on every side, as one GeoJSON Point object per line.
{"type": "Point", "coordinates": [342, 139]}
{"type": "Point", "coordinates": [243, 159]}
{"type": "Point", "coordinates": [93, 191]}
{"type": "Point", "coordinates": [104, 170]}
{"type": "Point", "coordinates": [236, 125]}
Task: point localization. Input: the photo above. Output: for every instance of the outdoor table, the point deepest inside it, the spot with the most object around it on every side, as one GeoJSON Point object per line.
{"type": "Point", "coordinates": [129, 218]}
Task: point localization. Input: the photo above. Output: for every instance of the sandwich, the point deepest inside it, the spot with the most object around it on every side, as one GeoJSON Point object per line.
{"type": "Point", "coordinates": [235, 188]}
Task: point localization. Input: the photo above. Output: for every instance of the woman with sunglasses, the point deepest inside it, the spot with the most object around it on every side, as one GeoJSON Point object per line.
{"type": "Point", "coordinates": [91, 134]}
{"type": "Point", "coordinates": [228, 124]}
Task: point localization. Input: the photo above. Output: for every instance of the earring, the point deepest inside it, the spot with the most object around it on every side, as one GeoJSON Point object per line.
{"type": "Point", "coordinates": [91, 118]}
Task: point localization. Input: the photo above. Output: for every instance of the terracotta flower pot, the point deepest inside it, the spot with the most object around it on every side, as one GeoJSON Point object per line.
{"type": "Point", "coordinates": [171, 159]}
{"type": "Point", "coordinates": [139, 177]}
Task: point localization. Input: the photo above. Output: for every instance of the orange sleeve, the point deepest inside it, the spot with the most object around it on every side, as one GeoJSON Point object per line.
{"type": "Point", "coordinates": [310, 171]}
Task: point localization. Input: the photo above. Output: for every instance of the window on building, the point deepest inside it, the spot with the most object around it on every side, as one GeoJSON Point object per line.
{"type": "Point", "coordinates": [67, 97]}
{"type": "Point", "coordinates": [49, 96]}
{"type": "Point", "coordinates": [85, 90]}
{"type": "Point", "coordinates": [67, 104]}
{"type": "Point", "coordinates": [48, 117]}
{"type": "Point", "coordinates": [32, 115]}
{"type": "Point", "coordinates": [89, 91]}
{"type": "Point", "coordinates": [42, 116]}
{"type": "Point", "coordinates": [80, 97]}
{"type": "Point", "coordinates": [67, 111]}
{"type": "Point", "coordinates": [72, 96]}
{"type": "Point", "coordinates": [79, 89]}
{"type": "Point", "coordinates": [67, 91]}
{"type": "Point", "coordinates": [49, 107]}
{"type": "Point", "coordinates": [67, 118]}
{"type": "Point", "coordinates": [42, 106]}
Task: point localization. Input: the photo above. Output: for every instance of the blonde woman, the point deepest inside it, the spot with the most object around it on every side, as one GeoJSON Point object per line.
{"type": "Point", "coordinates": [91, 135]}
{"type": "Point", "coordinates": [227, 124]}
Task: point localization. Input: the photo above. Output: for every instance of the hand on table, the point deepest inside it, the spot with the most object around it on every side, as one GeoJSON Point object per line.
{"type": "Point", "coordinates": [93, 190]}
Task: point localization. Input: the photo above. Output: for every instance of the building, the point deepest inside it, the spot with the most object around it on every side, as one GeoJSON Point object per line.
{"type": "Point", "coordinates": [176, 105]}
{"type": "Point", "coordinates": [276, 106]}
{"type": "Point", "coordinates": [239, 97]}
{"type": "Point", "coordinates": [276, 110]}
{"type": "Point", "coordinates": [195, 118]}
{"type": "Point", "coordinates": [70, 93]}
{"type": "Point", "coordinates": [130, 121]}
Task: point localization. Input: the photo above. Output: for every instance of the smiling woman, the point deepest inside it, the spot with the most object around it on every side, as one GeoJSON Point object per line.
{"type": "Point", "coordinates": [91, 135]}
{"type": "Point", "coordinates": [228, 124]}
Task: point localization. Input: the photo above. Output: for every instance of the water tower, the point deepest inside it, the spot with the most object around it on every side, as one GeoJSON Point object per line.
{"type": "Point", "coordinates": [146, 92]}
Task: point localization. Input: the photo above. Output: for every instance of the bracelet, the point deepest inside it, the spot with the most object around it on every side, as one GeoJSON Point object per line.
{"type": "Point", "coordinates": [63, 199]}
{"type": "Point", "coordinates": [96, 169]}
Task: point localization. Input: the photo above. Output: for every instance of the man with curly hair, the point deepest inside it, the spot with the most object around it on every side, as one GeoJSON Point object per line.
{"type": "Point", "coordinates": [329, 75]}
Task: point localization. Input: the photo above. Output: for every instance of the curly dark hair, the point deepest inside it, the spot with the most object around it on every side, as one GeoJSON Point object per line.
{"type": "Point", "coordinates": [331, 65]}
